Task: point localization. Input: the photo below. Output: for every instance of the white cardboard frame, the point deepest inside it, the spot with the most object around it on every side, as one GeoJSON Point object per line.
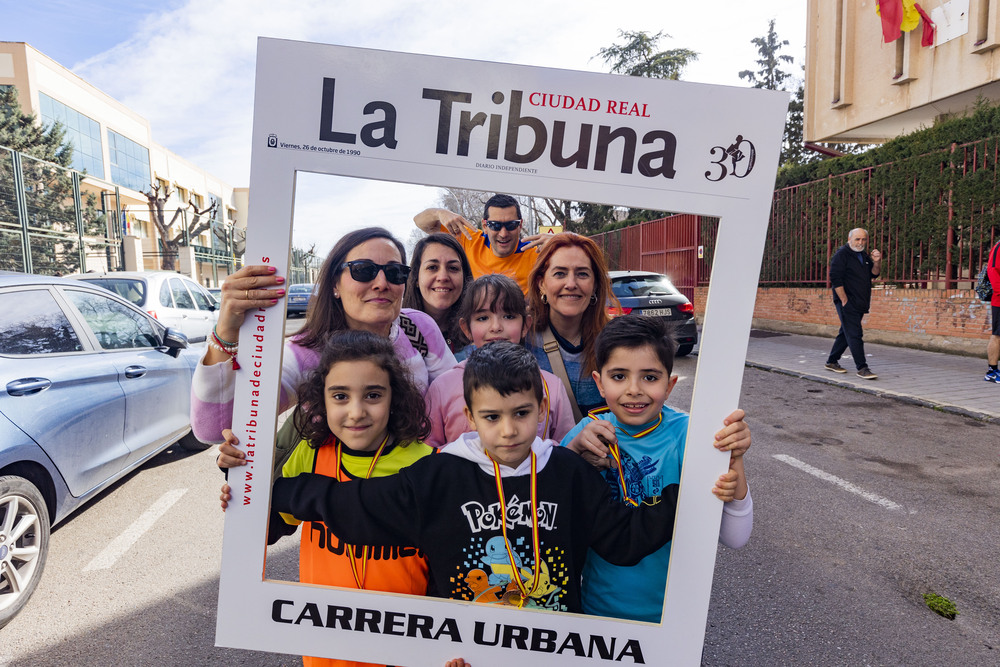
{"type": "Point", "coordinates": [724, 163]}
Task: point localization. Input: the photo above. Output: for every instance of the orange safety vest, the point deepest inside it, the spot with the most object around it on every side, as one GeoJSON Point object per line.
{"type": "Point", "coordinates": [324, 558]}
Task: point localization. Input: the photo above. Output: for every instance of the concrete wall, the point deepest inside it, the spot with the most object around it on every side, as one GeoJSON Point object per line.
{"type": "Point", "coordinates": [861, 89]}
{"type": "Point", "coordinates": [933, 319]}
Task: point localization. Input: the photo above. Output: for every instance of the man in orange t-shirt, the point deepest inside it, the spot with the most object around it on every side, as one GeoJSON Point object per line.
{"type": "Point", "coordinates": [498, 248]}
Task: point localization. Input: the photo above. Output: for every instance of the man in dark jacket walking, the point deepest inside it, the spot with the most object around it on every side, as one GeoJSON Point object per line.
{"type": "Point", "coordinates": [851, 273]}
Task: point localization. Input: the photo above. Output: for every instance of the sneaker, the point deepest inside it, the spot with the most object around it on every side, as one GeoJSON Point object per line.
{"type": "Point", "coordinates": [992, 376]}
{"type": "Point", "coordinates": [865, 373]}
{"type": "Point", "coordinates": [835, 367]}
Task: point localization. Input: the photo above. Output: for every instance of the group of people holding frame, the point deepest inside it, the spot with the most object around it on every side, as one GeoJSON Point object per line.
{"type": "Point", "coordinates": [558, 478]}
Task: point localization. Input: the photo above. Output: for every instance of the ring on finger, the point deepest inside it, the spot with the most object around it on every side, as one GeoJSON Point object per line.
{"type": "Point", "coordinates": [246, 294]}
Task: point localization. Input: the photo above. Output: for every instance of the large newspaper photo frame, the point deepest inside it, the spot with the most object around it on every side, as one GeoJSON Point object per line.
{"type": "Point", "coordinates": [653, 144]}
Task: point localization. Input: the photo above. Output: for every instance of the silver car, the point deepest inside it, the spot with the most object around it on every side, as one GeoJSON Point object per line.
{"type": "Point", "coordinates": [91, 388]}
{"type": "Point", "coordinates": [177, 301]}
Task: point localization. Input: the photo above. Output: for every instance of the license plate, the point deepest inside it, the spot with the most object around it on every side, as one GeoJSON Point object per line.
{"type": "Point", "coordinates": [657, 312]}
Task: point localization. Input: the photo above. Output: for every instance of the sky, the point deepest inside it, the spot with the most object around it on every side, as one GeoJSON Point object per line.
{"type": "Point", "coordinates": [188, 65]}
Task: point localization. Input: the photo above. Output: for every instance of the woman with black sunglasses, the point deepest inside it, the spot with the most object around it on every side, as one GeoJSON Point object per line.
{"type": "Point", "coordinates": [360, 287]}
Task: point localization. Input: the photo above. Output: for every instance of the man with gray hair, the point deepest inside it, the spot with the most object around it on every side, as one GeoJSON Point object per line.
{"type": "Point", "coordinates": [852, 271]}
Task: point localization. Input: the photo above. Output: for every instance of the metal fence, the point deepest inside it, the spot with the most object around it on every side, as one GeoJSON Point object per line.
{"type": "Point", "coordinates": [673, 246]}
{"type": "Point", "coordinates": [53, 220]}
{"type": "Point", "coordinates": [934, 217]}
{"type": "Point", "coordinates": [58, 221]}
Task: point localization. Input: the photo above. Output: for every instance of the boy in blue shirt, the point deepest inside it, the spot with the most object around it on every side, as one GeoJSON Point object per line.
{"type": "Point", "coordinates": [645, 442]}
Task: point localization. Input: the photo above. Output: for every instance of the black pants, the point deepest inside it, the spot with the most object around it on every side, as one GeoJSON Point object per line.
{"type": "Point", "coordinates": [850, 335]}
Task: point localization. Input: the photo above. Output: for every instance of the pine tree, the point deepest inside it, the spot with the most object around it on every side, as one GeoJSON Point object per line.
{"type": "Point", "coordinates": [48, 187]}
{"type": "Point", "coordinates": [22, 132]}
{"type": "Point", "coordinates": [770, 75]}
{"type": "Point", "coordinates": [637, 56]}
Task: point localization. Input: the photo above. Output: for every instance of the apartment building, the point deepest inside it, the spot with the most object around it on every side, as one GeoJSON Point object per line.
{"type": "Point", "coordinates": [114, 148]}
{"type": "Point", "coordinates": [860, 88]}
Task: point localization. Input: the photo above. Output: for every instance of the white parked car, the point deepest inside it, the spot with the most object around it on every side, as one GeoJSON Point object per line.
{"type": "Point", "coordinates": [174, 299]}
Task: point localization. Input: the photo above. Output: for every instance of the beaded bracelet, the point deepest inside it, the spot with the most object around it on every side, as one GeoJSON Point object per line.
{"type": "Point", "coordinates": [216, 343]}
{"type": "Point", "coordinates": [219, 339]}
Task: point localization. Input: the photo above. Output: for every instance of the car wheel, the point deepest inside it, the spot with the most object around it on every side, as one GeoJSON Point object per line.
{"type": "Point", "coordinates": [192, 444]}
{"type": "Point", "coordinates": [684, 350]}
{"type": "Point", "coordinates": [24, 543]}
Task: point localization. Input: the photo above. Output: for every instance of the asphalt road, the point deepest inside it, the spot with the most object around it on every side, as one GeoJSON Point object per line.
{"type": "Point", "coordinates": [862, 505]}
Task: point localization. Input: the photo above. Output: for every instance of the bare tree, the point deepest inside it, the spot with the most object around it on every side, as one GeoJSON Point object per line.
{"type": "Point", "coordinates": [234, 239]}
{"type": "Point", "coordinates": [556, 212]}
{"type": "Point", "coordinates": [173, 239]}
{"type": "Point", "coordinates": [411, 241]}
{"type": "Point", "coordinates": [467, 203]}
{"type": "Point", "coordinates": [303, 265]}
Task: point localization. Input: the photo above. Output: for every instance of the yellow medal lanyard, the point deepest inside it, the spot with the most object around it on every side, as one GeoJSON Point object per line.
{"type": "Point", "coordinates": [536, 550]}
{"type": "Point", "coordinates": [616, 453]}
{"type": "Point", "coordinates": [359, 580]}
{"type": "Point", "coordinates": [548, 402]}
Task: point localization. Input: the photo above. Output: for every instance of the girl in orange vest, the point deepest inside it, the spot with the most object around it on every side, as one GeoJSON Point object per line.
{"type": "Point", "coordinates": [361, 416]}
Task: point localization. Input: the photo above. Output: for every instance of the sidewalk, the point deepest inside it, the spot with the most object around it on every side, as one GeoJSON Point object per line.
{"type": "Point", "coordinates": [947, 382]}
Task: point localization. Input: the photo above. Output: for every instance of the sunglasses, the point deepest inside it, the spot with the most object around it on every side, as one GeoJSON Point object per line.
{"type": "Point", "coordinates": [510, 225]}
{"type": "Point", "coordinates": [365, 271]}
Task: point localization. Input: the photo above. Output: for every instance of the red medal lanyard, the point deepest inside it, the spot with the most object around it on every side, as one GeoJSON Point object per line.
{"type": "Point", "coordinates": [536, 550]}
{"type": "Point", "coordinates": [359, 580]}
{"type": "Point", "coordinates": [616, 453]}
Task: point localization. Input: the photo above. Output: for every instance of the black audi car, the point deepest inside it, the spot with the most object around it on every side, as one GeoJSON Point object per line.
{"type": "Point", "coordinates": [645, 293]}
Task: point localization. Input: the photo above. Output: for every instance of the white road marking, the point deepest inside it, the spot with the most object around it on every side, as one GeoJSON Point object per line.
{"type": "Point", "coordinates": [117, 547]}
{"type": "Point", "coordinates": [842, 483]}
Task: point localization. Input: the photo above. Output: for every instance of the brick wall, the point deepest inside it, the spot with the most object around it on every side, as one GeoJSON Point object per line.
{"type": "Point", "coordinates": [942, 320]}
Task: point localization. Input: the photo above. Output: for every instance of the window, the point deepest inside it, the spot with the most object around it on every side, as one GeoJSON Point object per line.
{"type": "Point", "coordinates": [129, 162]}
{"type": "Point", "coordinates": [201, 297]}
{"type": "Point", "coordinates": [905, 68]}
{"type": "Point", "coordinates": [166, 300]}
{"type": "Point", "coordinates": [181, 297]}
{"type": "Point", "coordinates": [182, 195]}
{"type": "Point", "coordinates": [116, 326]}
{"type": "Point", "coordinates": [642, 286]}
{"type": "Point", "coordinates": [83, 132]}
{"type": "Point", "coordinates": [163, 186]}
{"type": "Point", "coordinates": [31, 322]}
{"type": "Point", "coordinates": [197, 200]}
{"type": "Point", "coordinates": [843, 55]}
{"type": "Point", "coordinates": [985, 26]}
{"type": "Point", "coordinates": [130, 289]}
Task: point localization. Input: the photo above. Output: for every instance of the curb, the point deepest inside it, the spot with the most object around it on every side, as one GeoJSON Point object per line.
{"type": "Point", "coordinates": [903, 398]}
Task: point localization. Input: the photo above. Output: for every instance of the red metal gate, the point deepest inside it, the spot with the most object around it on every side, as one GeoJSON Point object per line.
{"type": "Point", "coordinates": [668, 246]}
